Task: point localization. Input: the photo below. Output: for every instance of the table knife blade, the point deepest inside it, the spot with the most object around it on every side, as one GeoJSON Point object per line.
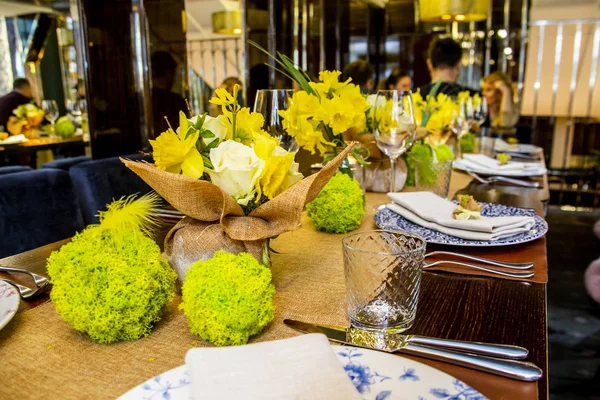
{"type": "Point", "coordinates": [461, 353]}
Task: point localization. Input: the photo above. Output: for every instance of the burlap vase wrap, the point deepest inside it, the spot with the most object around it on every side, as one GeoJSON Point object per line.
{"type": "Point", "coordinates": [213, 219]}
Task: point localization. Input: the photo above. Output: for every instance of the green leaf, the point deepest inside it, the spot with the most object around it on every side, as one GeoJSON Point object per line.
{"type": "Point", "coordinates": [200, 121]}
{"type": "Point", "coordinates": [207, 134]}
{"type": "Point", "coordinates": [207, 162]}
{"type": "Point", "coordinates": [212, 145]}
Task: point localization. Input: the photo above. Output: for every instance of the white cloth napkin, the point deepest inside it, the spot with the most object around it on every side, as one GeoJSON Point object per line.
{"type": "Point", "coordinates": [303, 367]}
{"type": "Point", "coordinates": [481, 163]}
{"type": "Point", "coordinates": [501, 146]}
{"type": "Point", "coordinates": [431, 211]}
{"type": "Point", "coordinates": [14, 139]}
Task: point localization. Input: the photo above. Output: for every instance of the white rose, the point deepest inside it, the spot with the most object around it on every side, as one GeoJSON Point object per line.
{"type": "Point", "coordinates": [236, 169]}
{"type": "Point", "coordinates": [215, 125]}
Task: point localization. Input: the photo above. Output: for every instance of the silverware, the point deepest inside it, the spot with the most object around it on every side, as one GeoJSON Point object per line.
{"type": "Point", "coordinates": [25, 292]}
{"type": "Point", "coordinates": [505, 264]}
{"type": "Point", "coordinates": [513, 274]}
{"type": "Point", "coordinates": [39, 280]}
{"type": "Point", "coordinates": [492, 179]}
{"type": "Point", "coordinates": [169, 214]}
{"type": "Point", "coordinates": [423, 347]}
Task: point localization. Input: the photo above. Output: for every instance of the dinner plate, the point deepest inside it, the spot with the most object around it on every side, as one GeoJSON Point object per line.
{"type": "Point", "coordinates": [9, 303]}
{"type": "Point", "coordinates": [376, 376]}
{"type": "Point", "coordinates": [524, 173]}
{"type": "Point", "coordinates": [387, 219]}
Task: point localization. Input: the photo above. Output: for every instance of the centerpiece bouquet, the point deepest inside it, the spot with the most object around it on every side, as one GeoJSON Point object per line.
{"type": "Point", "coordinates": [25, 121]}
{"type": "Point", "coordinates": [233, 182]}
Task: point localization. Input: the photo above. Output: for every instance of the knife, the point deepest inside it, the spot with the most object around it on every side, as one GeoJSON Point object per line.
{"type": "Point", "coordinates": [450, 351]}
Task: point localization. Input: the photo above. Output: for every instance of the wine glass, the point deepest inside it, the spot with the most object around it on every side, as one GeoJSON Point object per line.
{"type": "Point", "coordinates": [51, 111]}
{"type": "Point", "coordinates": [480, 111]}
{"type": "Point", "coordinates": [395, 128]}
{"type": "Point", "coordinates": [269, 102]}
{"type": "Point", "coordinates": [462, 120]}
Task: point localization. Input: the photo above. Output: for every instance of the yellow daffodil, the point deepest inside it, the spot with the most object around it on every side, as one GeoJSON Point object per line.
{"type": "Point", "coordinates": [311, 138]}
{"type": "Point", "coordinates": [177, 153]}
{"type": "Point", "coordinates": [329, 81]}
{"type": "Point", "coordinates": [275, 178]}
{"type": "Point", "coordinates": [222, 97]}
{"type": "Point", "coordinates": [336, 113]}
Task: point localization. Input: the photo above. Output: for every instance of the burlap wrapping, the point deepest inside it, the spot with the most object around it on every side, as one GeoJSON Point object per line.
{"type": "Point", "coordinates": [213, 219]}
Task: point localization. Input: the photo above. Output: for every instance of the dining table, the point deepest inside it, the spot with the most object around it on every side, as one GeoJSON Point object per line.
{"type": "Point", "coordinates": [40, 354]}
{"type": "Point", "coordinates": [32, 146]}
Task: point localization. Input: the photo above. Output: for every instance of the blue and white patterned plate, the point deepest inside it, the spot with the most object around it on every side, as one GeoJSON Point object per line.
{"type": "Point", "coordinates": [376, 375]}
{"type": "Point", "coordinates": [387, 219]}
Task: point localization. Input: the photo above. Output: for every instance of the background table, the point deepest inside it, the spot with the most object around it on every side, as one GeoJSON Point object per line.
{"type": "Point", "coordinates": [40, 352]}
{"type": "Point", "coordinates": [32, 146]}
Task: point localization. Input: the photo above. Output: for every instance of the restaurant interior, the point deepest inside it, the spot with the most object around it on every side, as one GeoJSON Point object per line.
{"type": "Point", "coordinates": [343, 157]}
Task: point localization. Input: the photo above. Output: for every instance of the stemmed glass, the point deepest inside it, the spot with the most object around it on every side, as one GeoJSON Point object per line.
{"type": "Point", "coordinates": [50, 112]}
{"type": "Point", "coordinates": [395, 128]}
{"type": "Point", "coordinates": [480, 111]}
{"type": "Point", "coordinates": [269, 103]}
{"type": "Point", "coordinates": [462, 120]}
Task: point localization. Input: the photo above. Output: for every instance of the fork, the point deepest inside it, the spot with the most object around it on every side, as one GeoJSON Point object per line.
{"type": "Point", "coordinates": [492, 179]}
{"type": "Point", "coordinates": [505, 264]}
{"type": "Point", "coordinates": [513, 274]}
{"type": "Point", "coordinates": [40, 281]}
{"type": "Point", "coordinates": [24, 291]}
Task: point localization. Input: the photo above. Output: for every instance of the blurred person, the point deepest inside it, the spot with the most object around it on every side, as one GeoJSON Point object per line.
{"type": "Point", "coordinates": [228, 84]}
{"type": "Point", "coordinates": [398, 80]}
{"type": "Point", "coordinates": [20, 95]}
{"type": "Point", "coordinates": [502, 110]}
{"type": "Point", "coordinates": [361, 73]}
{"type": "Point", "coordinates": [444, 63]}
{"type": "Point", "coordinates": [165, 103]}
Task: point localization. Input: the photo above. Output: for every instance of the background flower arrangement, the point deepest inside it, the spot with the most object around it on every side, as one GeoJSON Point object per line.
{"type": "Point", "coordinates": [26, 119]}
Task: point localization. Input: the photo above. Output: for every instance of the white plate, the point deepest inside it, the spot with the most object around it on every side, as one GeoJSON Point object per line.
{"type": "Point", "coordinates": [13, 140]}
{"type": "Point", "coordinates": [376, 375]}
{"type": "Point", "coordinates": [9, 303]}
{"type": "Point", "coordinates": [524, 173]}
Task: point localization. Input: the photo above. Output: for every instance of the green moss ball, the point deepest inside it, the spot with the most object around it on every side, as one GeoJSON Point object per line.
{"type": "Point", "coordinates": [228, 298]}
{"type": "Point", "coordinates": [339, 207]}
{"type": "Point", "coordinates": [110, 288]}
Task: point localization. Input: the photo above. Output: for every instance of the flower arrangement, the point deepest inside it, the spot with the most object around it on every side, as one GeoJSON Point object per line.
{"type": "Point", "coordinates": [321, 115]}
{"type": "Point", "coordinates": [232, 151]}
{"type": "Point", "coordinates": [228, 298]}
{"type": "Point", "coordinates": [233, 182]}
{"type": "Point", "coordinates": [428, 153]}
{"type": "Point", "coordinates": [111, 280]}
{"type": "Point", "coordinates": [339, 207]}
{"type": "Point", "coordinates": [26, 118]}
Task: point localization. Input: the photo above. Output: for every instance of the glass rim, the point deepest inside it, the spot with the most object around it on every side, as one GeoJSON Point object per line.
{"type": "Point", "coordinates": [419, 248]}
{"type": "Point", "coordinates": [404, 92]}
{"type": "Point", "coordinates": [433, 162]}
{"type": "Point", "coordinates": [274, 90]}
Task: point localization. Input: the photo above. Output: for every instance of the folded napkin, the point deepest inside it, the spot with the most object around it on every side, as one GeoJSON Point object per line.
{"type": "Point", "coordinates": [490, 163]}
{"type": "Point", "coordinates": [431, 211]}
{"type": "Point", "coordinates": [303, 367]}
{"type": "Point", "coordinates": [14, 139]}
{"type": "Point", "coordinates": [481, 163]}
{"type": "Point", "coordinates": [502, 146]}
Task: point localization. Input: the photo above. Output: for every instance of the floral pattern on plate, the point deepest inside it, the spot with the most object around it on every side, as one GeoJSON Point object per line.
{"type": "Point", "coordinates": [387, 219]}
{"type": "Point", "coordinates": [9, 303]}
{"type": "Point", "coordinates": [376, 375]}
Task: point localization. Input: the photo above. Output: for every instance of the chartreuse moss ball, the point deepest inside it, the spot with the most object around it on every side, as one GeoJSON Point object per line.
{"type": "Point", "coordinates": [228, 298]}
{"type": "Point", "coordinates": [339, 207]}
{"type": "Point", "coordinates": [111, 280]}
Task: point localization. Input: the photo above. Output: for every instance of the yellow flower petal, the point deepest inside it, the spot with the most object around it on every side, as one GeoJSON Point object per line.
{"type": "Point", "coordinates": [193, 165]}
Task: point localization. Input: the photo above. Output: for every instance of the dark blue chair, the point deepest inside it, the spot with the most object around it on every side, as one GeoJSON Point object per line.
{"type": "Point", "coordinates": [65, 163]}
{"type": "Point", "coordinates": [99, 182]}
{"type": "Point", "coordinates": [10, 169]}
{"type": "Point", "coordinates": [36, 208]}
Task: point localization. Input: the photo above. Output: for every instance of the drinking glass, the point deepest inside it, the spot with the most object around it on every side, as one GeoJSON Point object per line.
{"type": "Point", "coordinates": [383, 276]}
{"type": "Point", "coordinates": [462, 120]}
{"type": "Point", "coordinates": [269, 103]}
{"type": "Point", "coordinates": [395, 128]}
{"type": "Point", "coordinates": [480, 111]}
{"type": "Point", "coordinates": [51, 110]}
{"type": "Point", "coordinates": [433, 176]}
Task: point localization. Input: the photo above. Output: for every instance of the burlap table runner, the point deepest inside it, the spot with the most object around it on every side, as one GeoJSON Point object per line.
{"type": "Point", "coordinates": [42, 356]}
